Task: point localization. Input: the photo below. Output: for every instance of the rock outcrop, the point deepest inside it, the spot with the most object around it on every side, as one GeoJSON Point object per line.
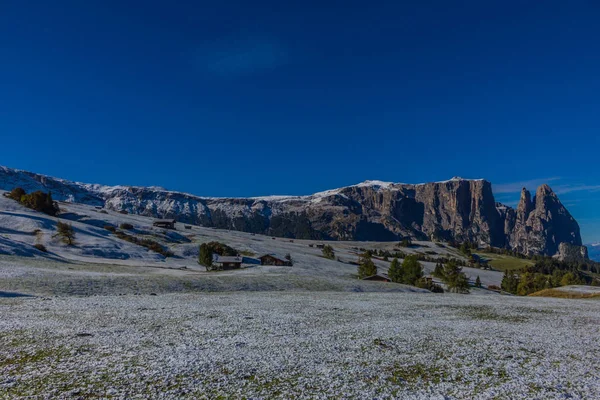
{"type": "Point", "coordinates": [571, 252]}
{"type": "Point", "coordinates": [457, 209]}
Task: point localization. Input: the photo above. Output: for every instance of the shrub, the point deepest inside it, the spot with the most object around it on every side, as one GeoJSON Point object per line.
{"type": "Point", "coordinates": [16, 194]}
{"type": "Point", "coordinates": [66, 232]}
{"type": "Point", "coordinates": [222, 249]}
{"type": "Point", "coordinates": [38, 201]}
{"type": "Point", "coordinates": [126, 226]}
{"type": "Point", "coordinates": [328, 252]}
{"type": "Point", "coordinates": [429, 285]}
{"type": "Point", "coordinates": [147, 243]}
{"type": "Point", "coordinates": [110, 228]}
{"type": "Point", "coordinates": [41, 247]}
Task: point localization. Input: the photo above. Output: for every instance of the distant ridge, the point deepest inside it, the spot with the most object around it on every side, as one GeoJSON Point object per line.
{"type": "Point", "coordinates": [457, 209]}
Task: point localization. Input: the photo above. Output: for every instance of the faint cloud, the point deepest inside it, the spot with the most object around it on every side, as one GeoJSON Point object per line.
{"type": "Point", "coordinates": [515, 187]}
{"type": "Point", "coordinates": [237, 57]}
{"type": "Point", "coordinates": [562, 189]}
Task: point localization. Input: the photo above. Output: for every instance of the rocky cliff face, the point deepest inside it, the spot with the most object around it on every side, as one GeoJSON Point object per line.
{"type": "Point", "coordinates": [457, 209]}
{"type": "Point", "coordinates": [542, 224]}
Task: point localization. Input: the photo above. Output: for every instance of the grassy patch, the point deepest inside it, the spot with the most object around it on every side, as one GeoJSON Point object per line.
{"type": "Point", "coordinates": [419, 372]}
{"type": "Point", "coordinates": [502, 262]}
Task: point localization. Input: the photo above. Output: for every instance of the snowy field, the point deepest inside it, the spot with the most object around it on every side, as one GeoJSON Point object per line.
{"type": "Point", "coordinates": [106, 318]}
{"type": "Point", "coordinates": [299, 345]}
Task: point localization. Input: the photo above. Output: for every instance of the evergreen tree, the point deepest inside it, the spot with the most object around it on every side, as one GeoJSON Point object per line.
{"type": "Point", "coordinates": [328, 252]}
{"type": "Point", "coordinates": [366, 267]}
{"type": "Point", "coordinates": [412, 270]}
{"type": "Point", "coordinates": [438, 271]}
{"type": "Point", "coordinates": [510, 282]}
{"type": "Point", "coordinates": [395, 271]}
{"type": "Point", "coordinates": [206, 256]}
{"type": "Point", "coordinates": [454, 278]}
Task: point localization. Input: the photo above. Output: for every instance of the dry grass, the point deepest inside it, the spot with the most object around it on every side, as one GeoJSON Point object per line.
{"type": "Point", "coordinates": [561, 294]}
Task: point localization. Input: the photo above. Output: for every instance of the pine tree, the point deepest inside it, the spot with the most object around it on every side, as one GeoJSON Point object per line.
{"type": "Point", "coordinates": [454, 278]}
{"type": "Point", "coordinates": [328, 252]}
{"type": "Point", "coordinates": [206, 256]}
{"type": "Point", "coordinates": [395, 271]}
{"type": "Point", "coordinates": [412, 270]}
{"type": "Point", "coordinates": [366, 267]}
{"type": "Point", "coordinates": [510, 282]}
{"type": "Point", "coordinates": [438, 271]}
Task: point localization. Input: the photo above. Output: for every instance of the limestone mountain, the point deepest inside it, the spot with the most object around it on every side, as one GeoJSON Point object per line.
{"type": "Point", "coordinates": [457, 209]}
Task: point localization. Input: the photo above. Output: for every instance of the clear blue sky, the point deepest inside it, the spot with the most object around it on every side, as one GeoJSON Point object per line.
{"type": "Point", "coordinates": [252, 98]}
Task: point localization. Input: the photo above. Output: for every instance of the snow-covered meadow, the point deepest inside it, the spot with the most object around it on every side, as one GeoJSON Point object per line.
{"type": "Point", "coordinates": [106, 318]}
{"type": "Point", "coordinates": [299, 345]}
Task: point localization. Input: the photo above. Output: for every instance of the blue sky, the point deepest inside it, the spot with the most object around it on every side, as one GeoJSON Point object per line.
{"type": "Point", "coordinates": [253, 98]}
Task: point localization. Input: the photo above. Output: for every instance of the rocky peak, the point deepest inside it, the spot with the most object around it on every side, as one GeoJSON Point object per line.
{"type": "Point", "coordinates": [525, 205]}
{"type": "Point", "coordinates": [548, 225]}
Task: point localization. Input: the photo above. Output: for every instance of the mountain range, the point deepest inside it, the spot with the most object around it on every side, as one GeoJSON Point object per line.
{"type": "Point", "coordinates": [457, 209]}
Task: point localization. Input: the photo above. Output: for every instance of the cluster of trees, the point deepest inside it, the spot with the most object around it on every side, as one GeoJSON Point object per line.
{"type": "Point", "coordinates": [328, 252]}
{"type": "Point", "coordinates": [545, 274]}
{"type": "Point", "coordinates": [406, 242]}
{"type": "Point", "coordinates": [467, 247]}
{"type": "Point", "coordinates": [451, 274]}
{"type": "Point", "coordinates": [38, 201]}
{"type": "Point", "coordinates": [207, 250]}
{"type": "Point", "coordinates": [408, 273]}
{"type": "Point", "coordinates": [386, 255]}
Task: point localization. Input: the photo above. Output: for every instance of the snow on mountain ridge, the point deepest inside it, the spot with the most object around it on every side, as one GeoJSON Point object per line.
{"type": "Point", "coordinates": [42, 182]}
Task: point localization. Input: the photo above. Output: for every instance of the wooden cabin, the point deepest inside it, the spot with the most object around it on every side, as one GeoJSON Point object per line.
{"type": "Point", "coordinates": [165, 223]}
{"type": "Point", "coordinates": [378, 278]}
{"type": "Point", "coordinates": [274, 259]}
{"type": "Point", "coordinates": [227, 262]}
